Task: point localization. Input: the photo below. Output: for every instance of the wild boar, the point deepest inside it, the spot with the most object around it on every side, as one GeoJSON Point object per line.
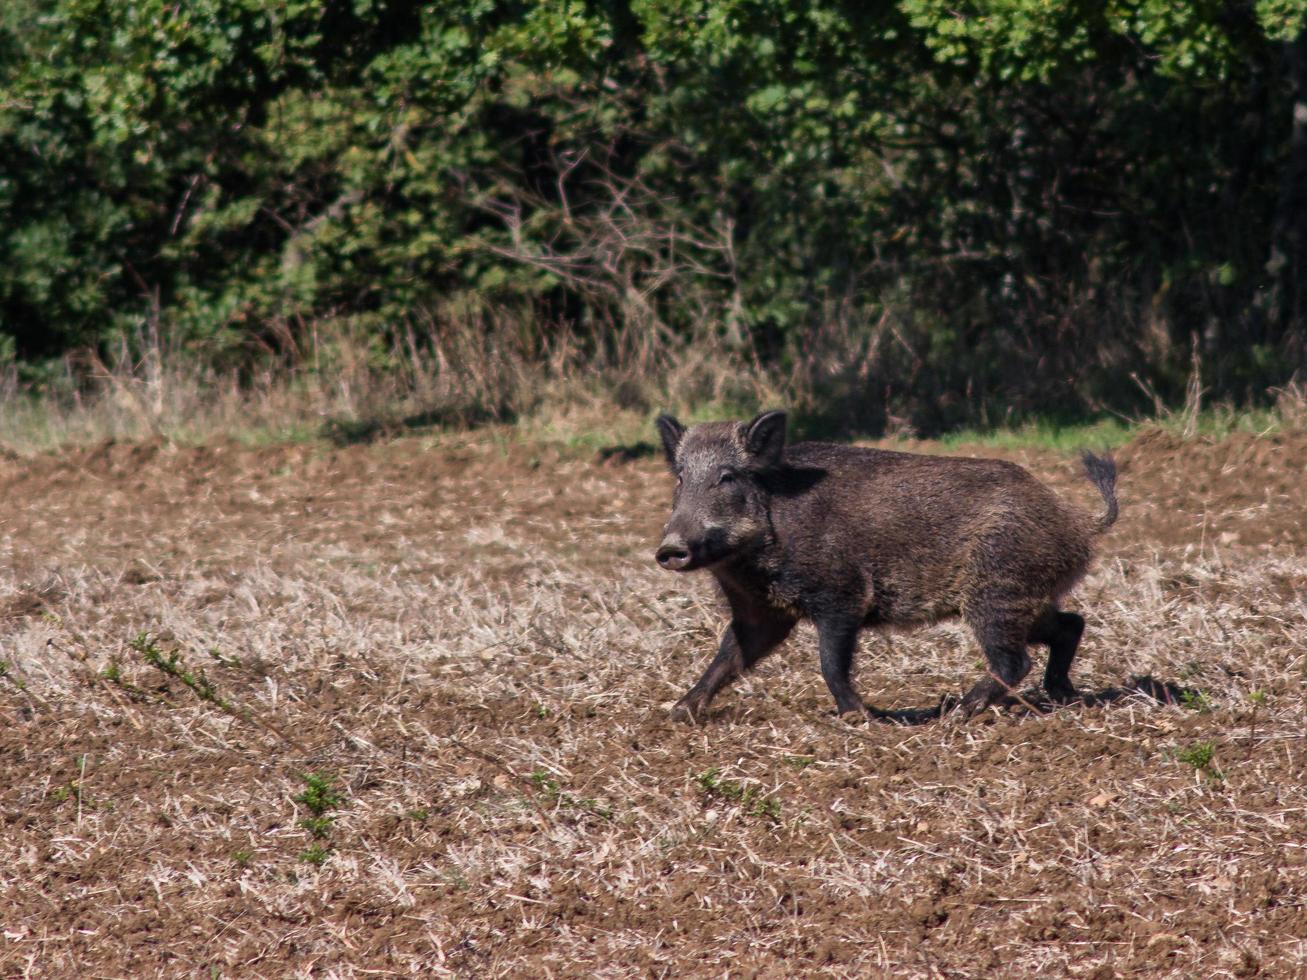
{"type": "Point", "coordinates": [851, 537]}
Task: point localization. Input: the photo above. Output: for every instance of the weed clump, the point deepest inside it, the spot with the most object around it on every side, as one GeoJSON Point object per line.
{"type": "Point", "coordinates": [319, 797]}
{"type": "Point", "coordinates": [315, 854]}
{"type": "Point", "coordinates": [173, 665]}
{"type": "Point", "coordinates": [1196, 700]}
{"type": "Point", "coordinates": [1201, 756]}
{"type": "Point", "coordinates": [749, 798]}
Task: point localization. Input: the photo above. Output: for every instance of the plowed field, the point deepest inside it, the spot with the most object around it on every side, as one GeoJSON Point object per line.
{"type": "Point", "coordinates": [402, 709]}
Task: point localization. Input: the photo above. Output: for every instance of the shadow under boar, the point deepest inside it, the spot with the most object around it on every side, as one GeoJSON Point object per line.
{"type": "Point", "coordinates": [851, 537]}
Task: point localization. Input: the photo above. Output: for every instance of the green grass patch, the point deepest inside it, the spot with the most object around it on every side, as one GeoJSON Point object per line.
{"type": "Point", "coordinates": [1047, 434]}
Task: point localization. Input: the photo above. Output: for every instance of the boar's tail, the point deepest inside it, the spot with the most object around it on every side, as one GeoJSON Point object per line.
{"type": "Point", "coordinates": [1102, 471]}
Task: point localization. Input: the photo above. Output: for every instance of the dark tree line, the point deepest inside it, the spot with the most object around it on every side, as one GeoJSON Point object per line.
{"type": "Point", "coordinates": [974, 208]}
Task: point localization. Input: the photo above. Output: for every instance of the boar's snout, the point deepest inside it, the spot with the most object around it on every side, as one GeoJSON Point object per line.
{"type": "Point", "coordinates": [673, 554]}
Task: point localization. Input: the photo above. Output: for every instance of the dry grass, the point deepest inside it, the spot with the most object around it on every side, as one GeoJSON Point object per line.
{"type": "Point", "coordinates": [343, 383]}
{"type": "Point", "coordinates": [347, 385]}
{"type": "Point", "coordinates": [467, 635]}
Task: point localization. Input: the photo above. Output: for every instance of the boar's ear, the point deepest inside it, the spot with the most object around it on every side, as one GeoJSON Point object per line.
{"type": "Point", "coordinates": [764, 438]}
{"type": "Point", "coordinates": [671, 431]}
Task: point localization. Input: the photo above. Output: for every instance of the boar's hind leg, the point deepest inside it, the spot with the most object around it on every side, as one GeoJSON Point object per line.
{"type": "Point", "coordinates": [1061, 631]}
{"type": "Point", "coordinates": [743, 644]}
{"type": "Point", "coordinates": [1004, 643]}
{"type": "Point", "coordinates": [838, 639]}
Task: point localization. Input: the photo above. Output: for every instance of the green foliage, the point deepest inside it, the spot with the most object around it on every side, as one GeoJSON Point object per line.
{"type": "Point", "coordinates": [749, 798]}
{"type": "Point", "coordinates": [315, 854]}
{"type": "Point", "coordinates": [1282, 20]}
{"type": "Point", "coordinates": [1196, 700]}
{"type": "Point", "coordinates": [1201, 755]}
{"type": "Point", "coordinates": [319, 797]}
{"type": "Point", "coordinates": [319, 794]}
{"type": "Point", "coordinates": [318, 826]}
{"type": "Point", "coordinates": [172, 665]}
{"type": "Point", "coordinates": [1014, 203]}
{"type": "Point", "coordinates": [1046, 433]}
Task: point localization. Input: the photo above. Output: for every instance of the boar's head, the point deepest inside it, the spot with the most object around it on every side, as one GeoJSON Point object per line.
{"type": "Point", "coordinates": [720, 509]}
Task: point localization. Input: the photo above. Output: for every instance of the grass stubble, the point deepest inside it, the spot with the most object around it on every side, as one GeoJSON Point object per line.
{"type": "Point", "coordinates": [463, 644]}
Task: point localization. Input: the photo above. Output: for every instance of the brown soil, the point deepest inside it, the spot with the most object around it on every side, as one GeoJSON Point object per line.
{"type": "Point", "coordinates": [470, 638]}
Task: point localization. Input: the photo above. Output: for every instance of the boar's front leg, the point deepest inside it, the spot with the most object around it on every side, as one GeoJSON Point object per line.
{"type": "Point", "coordinates": [744, 643]}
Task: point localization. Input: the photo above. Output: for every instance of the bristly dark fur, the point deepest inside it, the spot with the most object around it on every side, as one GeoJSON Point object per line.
{"type": "Point", "coordinates": [1102, 471]}
{"type": "Point", "coordinates": [851, 538]}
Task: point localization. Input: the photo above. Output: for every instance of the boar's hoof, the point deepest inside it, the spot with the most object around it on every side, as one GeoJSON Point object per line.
{"type": "Point", "coordinates": [1062, 693]}
{"type": "Point", "coordinates": [980, 697]}
{"type": "Point", "coordinates": [687, 711]}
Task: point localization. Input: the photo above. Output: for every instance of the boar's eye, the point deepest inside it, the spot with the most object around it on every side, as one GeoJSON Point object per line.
{"type": "Point", "coordinates": [727, 477]}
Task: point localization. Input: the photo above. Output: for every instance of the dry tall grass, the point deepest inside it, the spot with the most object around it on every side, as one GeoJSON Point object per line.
{"type": "Point", "coordinates": [474, 367]}
{"type": "Point", "coordinates": [347, 384]}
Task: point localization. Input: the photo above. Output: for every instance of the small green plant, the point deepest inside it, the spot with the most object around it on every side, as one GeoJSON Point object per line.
{"type": "Point", "coordinates": [114, 674]}
{"type": "Point", "coordinates": [7, 675]}
{"type": "Point", "coordinates": [798, 761]}
{"type": "Point", "coordinates": [1201, 755]}
{"type": "Point", "coordinates": [319, 797]}
{"type": "Point", "coordinates": [753, 801]}
{"type": "Point", "coordinates": [541, 711]}
{"type": "Point", "coordinates": [319, 794]}
{"type": "Point", "coordinates": [547, 786]}
{"type": "Point", "coordinates": [173, 665]}
{"type": "Point", "coordinates": [1196, 700]}
{"type": "Point", "coordinates": [242, 857]}
{"type": "Point", "coordinates": [226, 661]}
{"type": "Point", "coordinates": [419, 814]}
{"type": "Point", "coordinates": [542, 781]}
{"type": "Point", "coordinates": [318, 826]}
